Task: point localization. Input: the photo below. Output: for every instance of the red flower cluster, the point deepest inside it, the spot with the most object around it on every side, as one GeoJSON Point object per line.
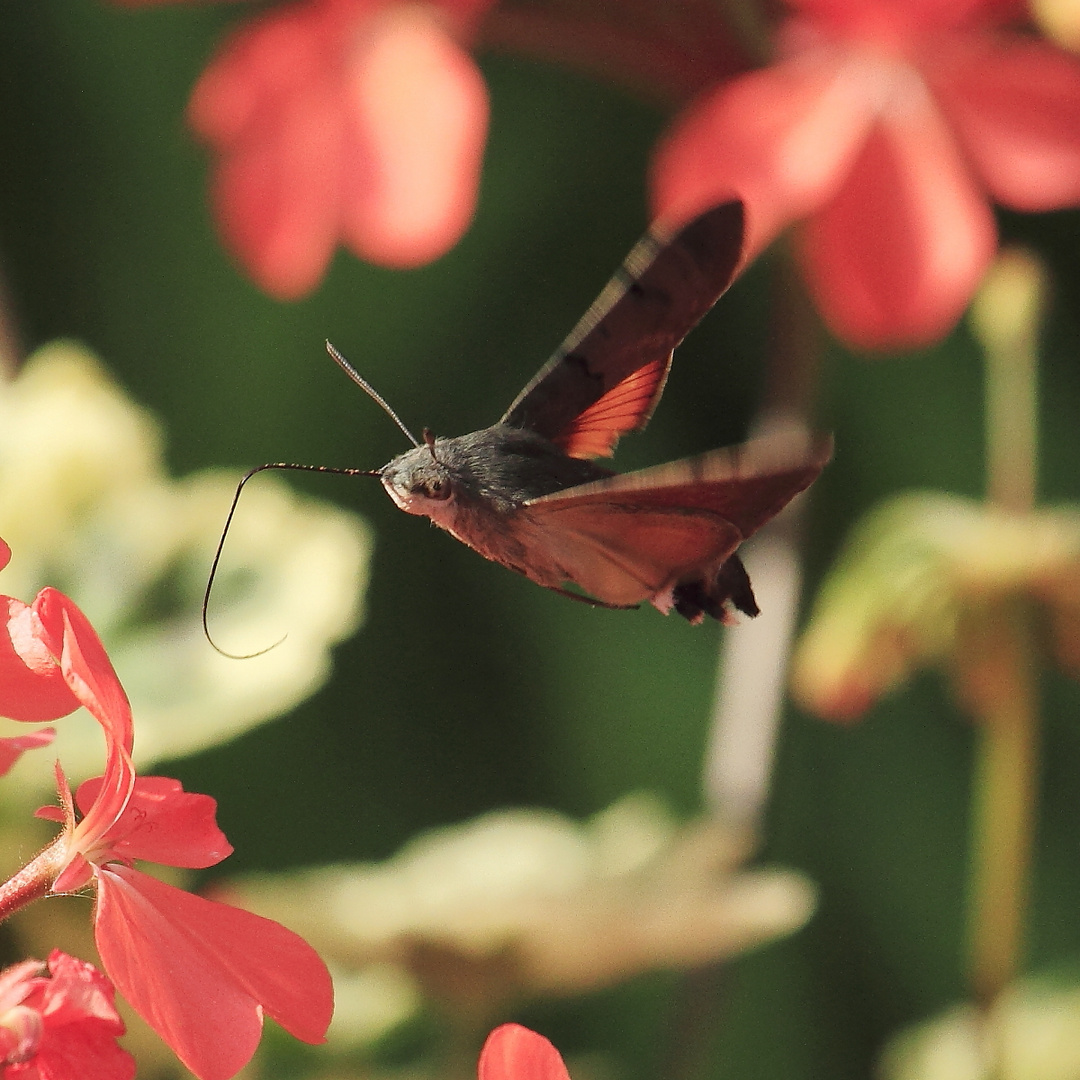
{"type": "Point", "coordinates": [200, 973]}
{"type": "Point", "coordinates": [60, 1026]}
{"type": "Point", "coordinates": [887, 124]}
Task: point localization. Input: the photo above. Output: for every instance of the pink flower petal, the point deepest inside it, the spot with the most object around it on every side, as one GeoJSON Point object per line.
{"type": "Point", "coordinates": [1016, 108]}
{"type": "Point", "coordinates": [270, 104]}
{"type": "Point", "coordinates": [889, 20]}
{"type": "Point", "coordinates": [79, 1027]}
{"type": "Point", "coordinates": [85, 664]}
{"type": "Point", "coordinates": [12, 749]}
{"type": "Point", "coordinates": [359, 121]}
{"type": "Point", "coordinates": [17, 981]}
{"type": "Point", "coordinates": [513, 1052]}
{"type": "Point", "coordinates": [78, 991]}
{"type": "Point", "coordinates": [32, 686]}
{"type": "Point", "coordinates": [162, 823]}
{"type": "Point", "coordinates": [781, 138]}
{"type": "Point", "coordinates": [202, 973]}
{"type": "Point", "coordinates": [417, 121]}
{"type": "Point", "coordinates": [894, 259]}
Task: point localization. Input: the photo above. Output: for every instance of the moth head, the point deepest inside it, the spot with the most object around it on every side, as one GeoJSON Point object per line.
{"type": "Point", "coordinates": [417, 482]}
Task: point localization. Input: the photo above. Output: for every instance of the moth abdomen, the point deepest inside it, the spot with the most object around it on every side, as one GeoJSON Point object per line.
{"type": "Point", "coordinates": [711, 593]}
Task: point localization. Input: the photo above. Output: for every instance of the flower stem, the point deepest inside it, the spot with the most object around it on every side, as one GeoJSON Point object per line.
{"type": "Point", "coordinates": [996, 664]}
{"type": "Point", "coordinates": [1005, 794]}
{"type": "Point", "coordinates": [32, 882]}
{"type": "Point", "coordinates": [1005, 318]}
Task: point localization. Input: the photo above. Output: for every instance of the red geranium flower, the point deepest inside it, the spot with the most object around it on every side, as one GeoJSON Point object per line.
{"type": "Point", "coordinates": [513, 1052]}
{"type": "Point", "coordinates": [62, 1026]}
{"type": "Point", "coordinates": [200, 973]}
{"type": "Point", "coordinates": [352, 121]}
{"type": "Point", "coordinates": [888, 124]}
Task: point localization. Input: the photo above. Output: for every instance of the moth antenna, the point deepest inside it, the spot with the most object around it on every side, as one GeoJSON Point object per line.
{"type": "Point", "coordinates": [429, 442]}
{"type": "Point", "coordinates": [225, 532]}
{"type": "Point", "coordinates": [369, 390]}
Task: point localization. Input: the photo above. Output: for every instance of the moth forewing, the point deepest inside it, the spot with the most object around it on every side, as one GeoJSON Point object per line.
{"type": "Point", "coordinates": [667, 283]}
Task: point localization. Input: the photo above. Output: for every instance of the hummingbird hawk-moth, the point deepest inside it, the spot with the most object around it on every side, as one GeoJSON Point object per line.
{"type": "Point", "coordinates": [527, 493]}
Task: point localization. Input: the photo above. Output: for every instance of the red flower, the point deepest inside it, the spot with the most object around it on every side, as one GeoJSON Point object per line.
{"type": "Point", "coordinates": [888, 123]}
{"type": "Point", "coordinates": [352, 121]}
{"type": "Point", "coordinates": [200, 973]}
{"type": "Point", "coordinates": [37, 679]}
{"type": "Point", "coordinates": [61, 1027]}
{"type": "Point", "coordinates": [513, 1052]}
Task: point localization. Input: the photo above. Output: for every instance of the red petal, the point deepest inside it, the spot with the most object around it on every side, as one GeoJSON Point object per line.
{"type": "Point", "coordinates": [895, 258]}
{"type": "Point", "coordinates": [162, 823]}
{"type": "Point", "coordinates": [202, 973]}
{"type": "Point", "coordinates": [1016, 107]}
{"type": "Point", "coordinates": [5, 554]}
{"type": "Point", "coordinates": [17, 981]}
{"type": "Point", "coordinates": [781, 139]}
{"type": "Point", "coordinates": [513, 1052]}
{"type": "Point", "coordinates": [78, 991]}
{"type": "Point", "coordinates": [13, 748]}
{"type": "Point", "coordinates": [343, 120]}
{"type": "Point", "coordinates": [80, 1027]}
{"type": "Point", "coordinates": [889, 20]}
{"type": "Point", "coordinates": [85, 664]}
{"type": "Point", "coordinates": [417, 115]}
{"type": "Point", "coordinates": [270, 106]}
{"type": "Point", "coordinates": [32, 686]}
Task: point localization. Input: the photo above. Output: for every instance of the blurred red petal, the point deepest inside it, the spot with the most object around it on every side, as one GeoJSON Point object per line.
{"type": "Point", "coordinates": [894, 259]}
{"type": "Point", "coordinates": [269, 56]}
{"type": "Point", "coordinates": [417, 118]}
{"type": "Point", "coordinates": [885, 19]}
{"type": "Point", "coordinates": [1016, 107]}
{"type": "Point", "coordinates": [349, 120]}
{"type": "Point", "coordinates": [162, 823]}
{"type": "Point", "coordinates": [276, 206]}
{"type": "Point", "coordinates": [270, 105]}
{"type": "Point", "coordinates": [5, 554]}
{"type": "Point", "coordinates": [781, 138]}
{"type": "Point", "coordinates": [513, 1052]}
{"type": "Point", "coordinates": [13, 748]}
{"type": "Point", "coordinates": [202, 974]}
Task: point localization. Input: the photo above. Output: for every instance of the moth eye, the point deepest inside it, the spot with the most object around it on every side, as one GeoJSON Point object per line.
{"type": "Point", "coordinates": [438, 489]}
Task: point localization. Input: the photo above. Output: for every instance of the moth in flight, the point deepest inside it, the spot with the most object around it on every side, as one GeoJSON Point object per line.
{"type": "Point", "coordinates": [527, 493]}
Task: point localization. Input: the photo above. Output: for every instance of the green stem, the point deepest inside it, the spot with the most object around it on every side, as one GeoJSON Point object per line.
{"type": "Point", "coordinates": [1005, 794]}
{"type": "Point", "coordinates": [997, 667]}
{"type": "Point", "coordinates": [1005, 318]}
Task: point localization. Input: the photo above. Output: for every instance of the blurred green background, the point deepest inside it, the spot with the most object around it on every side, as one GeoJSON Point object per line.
{"type": "Point", "coordinates": [468, 688]}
